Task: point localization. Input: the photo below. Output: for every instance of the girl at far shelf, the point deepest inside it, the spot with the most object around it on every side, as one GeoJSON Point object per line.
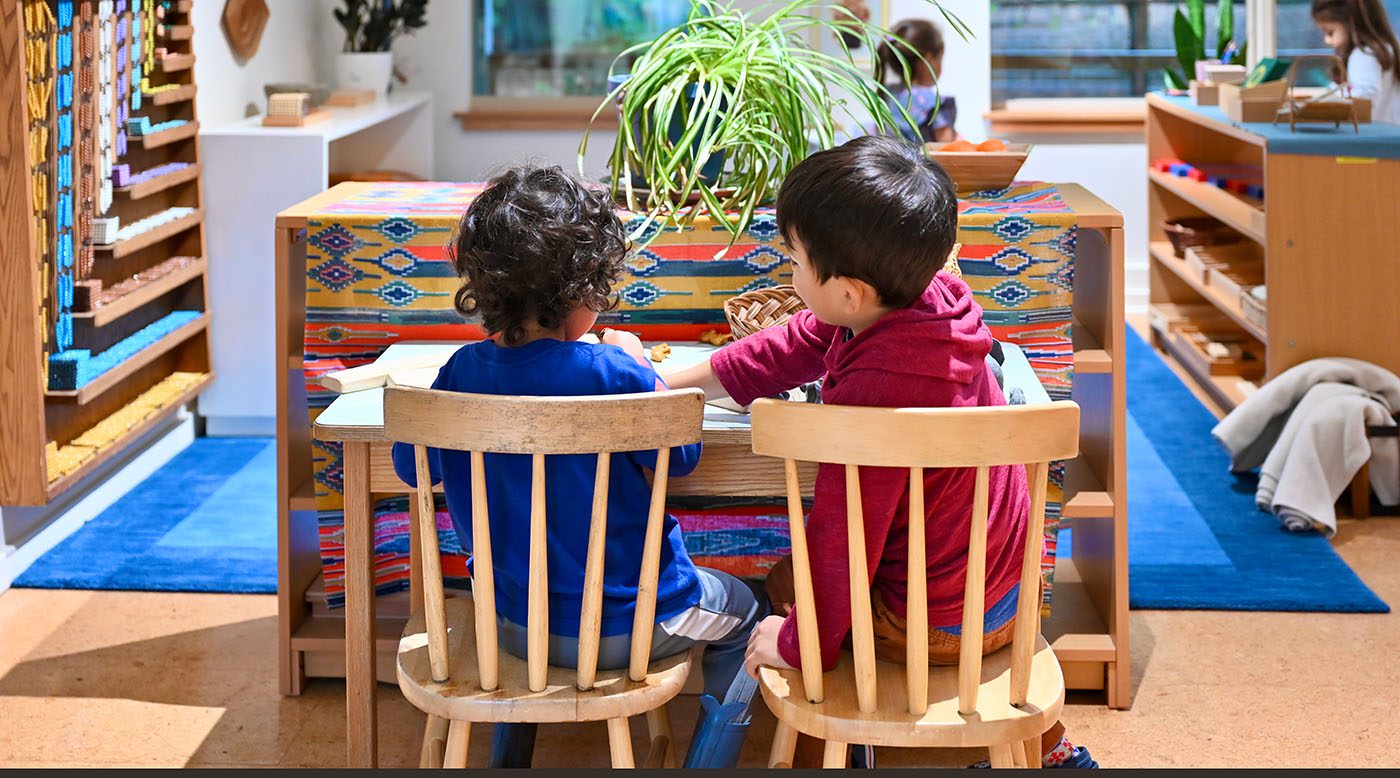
{"type": "Point", "coordinates": [916, 89]}
{"type": "Point", "coordinates": [1360, 32]}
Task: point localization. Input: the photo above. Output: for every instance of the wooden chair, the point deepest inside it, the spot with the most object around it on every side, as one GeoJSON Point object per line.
{"type": "Point", "coordinates": [1004, 701]}
{"type": "Point", "coordinates": [448, 662]}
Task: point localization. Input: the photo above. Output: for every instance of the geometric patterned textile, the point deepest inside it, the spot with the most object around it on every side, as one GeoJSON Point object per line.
{"type": "Point", "coordinates": [378, 272]}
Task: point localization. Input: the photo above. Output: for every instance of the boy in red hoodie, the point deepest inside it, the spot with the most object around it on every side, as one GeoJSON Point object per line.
{"type": "Point", "coordinates": [868, 226]}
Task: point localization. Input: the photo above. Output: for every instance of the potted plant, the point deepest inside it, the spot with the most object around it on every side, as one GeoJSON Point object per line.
{"type": "Point", "coordinates": [714, 112]}
{"type": "Point", "coordinates": [371, 26]}
{"type": "Point", "coordinates": [1189, 29]}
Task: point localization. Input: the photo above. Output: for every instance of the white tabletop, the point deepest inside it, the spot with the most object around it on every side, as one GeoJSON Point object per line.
{"type": "Point", "coordinates": [365, 408]}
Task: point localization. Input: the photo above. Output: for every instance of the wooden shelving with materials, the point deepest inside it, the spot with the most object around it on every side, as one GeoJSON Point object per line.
{"type": "Point", "coordinates": [1088, 624]}
{"type": "Point", "coordinates": [103, 332]}
{"type": "Point", "coordinates": [1319, 244]}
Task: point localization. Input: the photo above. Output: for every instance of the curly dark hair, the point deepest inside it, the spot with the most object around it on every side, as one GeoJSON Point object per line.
{"type": "Point", "coordinates": [535, 245]}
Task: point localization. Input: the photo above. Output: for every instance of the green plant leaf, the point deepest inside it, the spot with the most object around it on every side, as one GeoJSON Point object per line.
{"type": "Point", "coordinates": [1173, 79]}
{"type": "Point", "coordinates": [1187, 43]}
{"type": "Point", "coordinates": [1225, 23]}
{"type": "Point", "coordinates": [765, 95]}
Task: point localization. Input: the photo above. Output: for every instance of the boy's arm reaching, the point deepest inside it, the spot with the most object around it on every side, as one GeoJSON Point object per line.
{"type": "Point", "coordinates": [765, 363]}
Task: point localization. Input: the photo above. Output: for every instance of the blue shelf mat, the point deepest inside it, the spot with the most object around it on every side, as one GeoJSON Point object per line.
{"type": "Point", "coordinates": [1375, 140]}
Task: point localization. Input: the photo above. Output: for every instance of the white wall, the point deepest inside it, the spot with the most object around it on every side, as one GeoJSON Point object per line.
{"type": "Point", "coordinates": [287, 53]}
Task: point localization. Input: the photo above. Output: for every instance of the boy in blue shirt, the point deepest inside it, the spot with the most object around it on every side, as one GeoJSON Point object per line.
{"type": "Point", "coordinates": [539, 255]}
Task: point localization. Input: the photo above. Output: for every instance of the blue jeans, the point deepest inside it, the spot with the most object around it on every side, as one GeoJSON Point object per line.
{"type": "Point", "coordinates": [727, 612]}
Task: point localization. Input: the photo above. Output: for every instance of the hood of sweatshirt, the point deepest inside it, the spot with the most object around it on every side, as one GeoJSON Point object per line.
{"type": "Point", "coordinates": [940, 336]}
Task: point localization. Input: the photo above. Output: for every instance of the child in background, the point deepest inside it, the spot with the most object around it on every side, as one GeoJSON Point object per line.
{"type": "Point", "coordinates": [539, 255]}
{"type": "Point", "coordinates": [917, 92]}
{"type": "Point", "coordinates": [1361, 34]}
{"type": "Point", "coordinates": [868, 226]}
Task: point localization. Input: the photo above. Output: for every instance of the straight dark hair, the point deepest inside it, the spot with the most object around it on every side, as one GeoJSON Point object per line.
{"type": "Point", "coordinates": [874, 209]}
{"type": "Point", "coordinates": [911, 40]}
{"type": "Point", "coordinates": [1367, 28]}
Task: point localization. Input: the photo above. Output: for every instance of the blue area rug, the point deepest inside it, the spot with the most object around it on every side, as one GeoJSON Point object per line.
{"type": "Point", "coordinates": [205, 522]}
{"type": "Point", "coordinates": [1196, 541]}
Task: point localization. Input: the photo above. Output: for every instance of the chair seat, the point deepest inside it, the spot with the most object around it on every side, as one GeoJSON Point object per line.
{"type": "Point", "coordinates": [996, 722]}
{"type": "Point", "coordinates": [461, 698]}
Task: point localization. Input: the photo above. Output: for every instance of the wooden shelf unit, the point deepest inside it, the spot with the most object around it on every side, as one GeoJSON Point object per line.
{"type": "Point", "coordinates": [32, 417]}
{"type": "Point", "coordinates": [172, 135]}
{"type": "Point", "coordinates": [1088, 625]}
{"type": "Point", "coordinates": [1329, 254]}
{"type": "Point", "coordinates": [160, 183]}
{"type": "Point", "coordinates": [172, 96]}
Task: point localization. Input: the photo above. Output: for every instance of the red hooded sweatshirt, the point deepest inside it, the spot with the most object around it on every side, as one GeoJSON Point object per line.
{"type": "Point", "coordinates": [931, 354]}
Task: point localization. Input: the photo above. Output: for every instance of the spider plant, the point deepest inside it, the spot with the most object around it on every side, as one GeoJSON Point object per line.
{"type": "Point", "coordinates": [744, 87]}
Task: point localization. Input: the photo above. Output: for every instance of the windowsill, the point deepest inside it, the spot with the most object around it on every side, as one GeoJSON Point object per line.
{"type": "Point", "coordinates": [1070, 116]}
{"type": "Point", "coordinates": [535, 114]}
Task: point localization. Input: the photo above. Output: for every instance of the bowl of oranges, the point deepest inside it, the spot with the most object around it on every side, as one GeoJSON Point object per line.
{"type": "Point", "coordinates": [974, 167]}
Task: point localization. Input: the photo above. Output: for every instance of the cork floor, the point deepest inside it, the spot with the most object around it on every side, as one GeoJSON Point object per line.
{"type": "Point", "coordinates": [147, 679]}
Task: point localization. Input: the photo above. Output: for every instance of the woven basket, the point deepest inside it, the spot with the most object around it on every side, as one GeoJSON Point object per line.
{"type": "Point", "coordinates": [761, 308]}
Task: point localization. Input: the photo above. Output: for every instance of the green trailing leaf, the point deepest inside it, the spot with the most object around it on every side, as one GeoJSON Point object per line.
{"type": "Point", "coordinates": [763, 95]}
{"type": "Point", "coordinates": [1196, 15]}
{"type": "Point", "coordinates": [1225, 24]}
{"type": "Point", "coordinates": [1187, 43]}
{"type": "Point", "coordinates": [1173, 79]}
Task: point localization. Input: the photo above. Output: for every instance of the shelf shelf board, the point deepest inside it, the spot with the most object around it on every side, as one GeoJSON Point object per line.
{"type": "Point", "coordinates": [327, 633]}
{"type": "Point", "coordinates": [144, 294]}
{"type": "Point", "coordinates": [179, 32]}
{"type": "Point", "coordinates": [1075, 630]}
{"type": "Point", "coordinates": [160, 183]}
{"type": "Point", "coordinates": [1225, 390]}
{"type": "Point", "coordinates": [1239, 214]}
{"type": "Point", "coordinates": [95, 388]}
{"type": "Point", "coordinates": [303, 498]}
{"type": "Point", "coordinates": [1161, 252]}
{"type": "Point", "coordinates": [1161, 103]}
{"type": "Point", "coordinates": [174, 63]}
{"type": "Point", "coordinates": [1089, 355]}
{"type": "Point", "coordinates": [185, 93]}
{"type": "Point", "coordinates": [184, 6]}
{"type": "Point", "coordinates": [64, 482]}
{"type": "Point", "coordinates": [150, 238]}
{"type": "Point", "coordinates": [165, 137]}
{"type": "Point", "coordinates": [1087, 498]}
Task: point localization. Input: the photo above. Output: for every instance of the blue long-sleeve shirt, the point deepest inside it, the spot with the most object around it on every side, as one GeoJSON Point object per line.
{"type": "Point", "coordinates": [556, 369]}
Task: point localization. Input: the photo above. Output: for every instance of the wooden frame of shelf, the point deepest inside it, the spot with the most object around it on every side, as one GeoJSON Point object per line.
{"type": "Point", "coordinates": [1328, 261]}
{"type": "Point", "coordinates": [172, 96]}
{"type": "Point", "coordinates": [1088, 625]}
{"type": "Point", "coordinates": [160, 183]}
{"type": "Point", "coordinates": [31, 417]}
{"type": "Point", "coordinates": [172, 135]}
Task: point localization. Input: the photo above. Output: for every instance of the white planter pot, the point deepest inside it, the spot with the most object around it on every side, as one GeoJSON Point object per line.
{"type": "Point", "coordinates": [365, 70]}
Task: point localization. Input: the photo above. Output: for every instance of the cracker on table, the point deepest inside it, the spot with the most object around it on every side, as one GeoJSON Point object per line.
{"type": "Point", "coordinates": [659, 352]}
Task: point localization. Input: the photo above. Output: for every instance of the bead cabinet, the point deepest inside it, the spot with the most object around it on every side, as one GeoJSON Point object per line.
{"type": "Point", "coordinates": [103, 314]}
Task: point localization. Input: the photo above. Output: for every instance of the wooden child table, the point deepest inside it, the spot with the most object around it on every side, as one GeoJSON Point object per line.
{"type": "Point", "coordinates": [1046, 264]}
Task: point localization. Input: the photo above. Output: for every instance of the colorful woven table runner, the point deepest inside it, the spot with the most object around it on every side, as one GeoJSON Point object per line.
{"type": "Point", "coordinates": [378, 272]}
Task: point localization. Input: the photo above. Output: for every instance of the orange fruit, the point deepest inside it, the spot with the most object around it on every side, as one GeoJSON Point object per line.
{"type": "Point", "coordinates": [958, 145]}
{"type": "Point", "coordinates": [992, 144]}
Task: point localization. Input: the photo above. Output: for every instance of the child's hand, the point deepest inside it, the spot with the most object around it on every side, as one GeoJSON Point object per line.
{"type": "Point", "coordinates": [763, 647]}
{"type": "Point", "coordinates": [629, 343]}
{"type": "Point", "coordinates": [779, 586]}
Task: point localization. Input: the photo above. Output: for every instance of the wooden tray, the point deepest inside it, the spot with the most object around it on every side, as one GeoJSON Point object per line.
{"type": "Point", "coordinates": [317, 115]}
{"type": "Point", "coordinates": [974, 171]}
{"type": "Point", "coordinates": [1234, 279]}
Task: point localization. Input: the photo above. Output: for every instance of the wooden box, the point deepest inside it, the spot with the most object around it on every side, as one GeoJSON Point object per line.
{"type": "Point", "coordinates": [1204, 93]}
{"type": "Point", "coordinates": [1231, 280]}
{"type": "Point", "coordinates": [1220, 350]}
{"type": "Point", "coordinates": [1252, 104]}
{"type": "Point", "coordinates": [1201, 260]}
{"type": "Point", "coordinates": [1168, 318]}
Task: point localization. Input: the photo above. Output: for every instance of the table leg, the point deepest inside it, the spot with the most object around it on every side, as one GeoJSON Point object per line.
{"type": "Point", "coordinates": [361, 736]}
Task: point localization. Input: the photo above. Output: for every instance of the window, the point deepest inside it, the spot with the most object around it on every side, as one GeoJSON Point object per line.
{"type": "Point", "coordinates": [1112, 48]}
{"type": "Point", "coordinates": [549, 49]}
